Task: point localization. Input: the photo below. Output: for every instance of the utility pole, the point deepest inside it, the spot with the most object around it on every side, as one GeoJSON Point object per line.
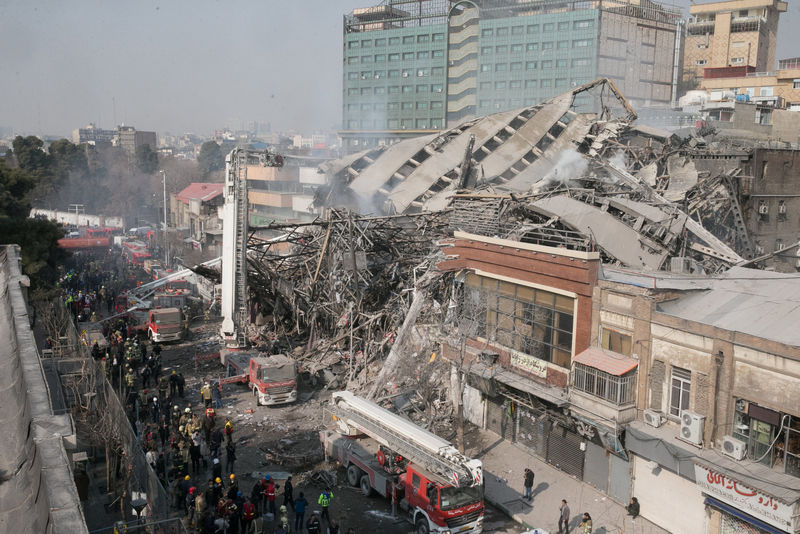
{"type": "Point", "coordinates": [166, 241]}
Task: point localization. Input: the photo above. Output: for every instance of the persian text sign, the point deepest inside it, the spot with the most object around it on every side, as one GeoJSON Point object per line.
{"type": "Point", "coordinates": [529, 363]}
{"type": "Point", "coordinates": [746, 499]}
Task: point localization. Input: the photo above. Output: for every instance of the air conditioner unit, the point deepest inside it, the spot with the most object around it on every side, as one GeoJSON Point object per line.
{"type": "Point", "coordinates": [782, 209]}
{"type": "Point", "coordinates": [734, 448]}
{"type": "Point", "coordinates": [763, 209]}
{"type": "Point", "coordinates": [652, 418]}
{"type": "Point", "coordinates": [405, 75]}
{"type": "Point", "coordinates": [692, 427]}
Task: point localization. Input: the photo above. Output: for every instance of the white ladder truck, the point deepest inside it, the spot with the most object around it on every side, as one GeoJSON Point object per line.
{"type": "Point", "coordinates": [440, 489]}
{"type": "Point", "coordinates": [234, 305]}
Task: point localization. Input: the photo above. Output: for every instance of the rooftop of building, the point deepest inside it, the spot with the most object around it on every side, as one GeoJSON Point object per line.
{"type": "Point", "coordinates": [202, 191]}
{"type": "Point", "coordinates": [394, 14]}
{"type": "Point", "coordinates": [734, 5]}
{"type": "Point", "coordinates": [760, 303]}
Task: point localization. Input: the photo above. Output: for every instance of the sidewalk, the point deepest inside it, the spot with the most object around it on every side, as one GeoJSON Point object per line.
{"type": "Point", "coordinates": [503, 465]}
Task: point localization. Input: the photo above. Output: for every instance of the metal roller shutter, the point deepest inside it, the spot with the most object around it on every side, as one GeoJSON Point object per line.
{"type": "Point", "coordinates": [497, 418]}
{"type": "Point", "coordinates": [531, 431]}
{"type": "Point", "coordinates": [595, 470]}
{"type": "Point", "coordinates": [564, 451]}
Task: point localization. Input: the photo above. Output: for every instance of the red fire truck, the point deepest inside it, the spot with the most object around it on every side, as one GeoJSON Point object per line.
{"type": "Point", "coordinates": [440, 489]}
{"type": "Point", "coordinates": [165, 324]}
{"type": "Point", "coordinates": [273, 378]}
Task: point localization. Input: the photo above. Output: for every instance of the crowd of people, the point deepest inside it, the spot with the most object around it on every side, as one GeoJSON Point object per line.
{"type": "Point", "coordinates": [190, 448]}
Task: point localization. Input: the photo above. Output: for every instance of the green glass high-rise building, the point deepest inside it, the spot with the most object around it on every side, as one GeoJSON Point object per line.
{"type": "Point", "coordinates": [414, 67]}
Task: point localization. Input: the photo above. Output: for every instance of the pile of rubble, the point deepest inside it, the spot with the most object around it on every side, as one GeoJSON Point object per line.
{"type": "Point", "coordinates": [352, 295]}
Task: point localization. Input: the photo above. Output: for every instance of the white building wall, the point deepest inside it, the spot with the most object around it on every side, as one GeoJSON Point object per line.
{"type": "Point", "coordinates": [669, 501]}
{"type": "Point", "coordinates": [474, 406]}
{"type": "Point", "coordinates": [309, 175]}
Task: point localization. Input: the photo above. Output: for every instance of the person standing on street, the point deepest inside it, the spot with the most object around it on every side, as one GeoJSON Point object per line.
{"type": "Point", "coordinates": [563, 518]}
{"type": "Point", "coordinates": [528, 483]}
{"type": "Point", "coordinates": [288, 490]}
{"type": "Point", "coordinates": [299, 511]}
{"type": "Point", "coordinates": [313, 526]}
{"type": "Point", "coordinates": [325, 501]}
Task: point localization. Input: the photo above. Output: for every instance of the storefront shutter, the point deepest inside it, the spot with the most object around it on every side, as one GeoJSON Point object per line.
{"type": "Point", "coordinates": [531, 432]}
{"type": "Point", "coordinates": [497, 419]}
{"type": "Point", "coordinates": [564, 451]}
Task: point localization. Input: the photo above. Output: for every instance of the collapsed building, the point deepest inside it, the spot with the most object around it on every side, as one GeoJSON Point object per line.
{"type": "Point", "coordinates": [570, 281]}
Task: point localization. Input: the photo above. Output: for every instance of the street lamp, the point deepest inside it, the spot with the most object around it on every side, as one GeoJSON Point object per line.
{"type": "Point", "coordinates": [166, 242]}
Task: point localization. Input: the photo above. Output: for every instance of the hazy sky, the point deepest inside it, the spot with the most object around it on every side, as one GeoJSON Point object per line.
{"type": "Point", "coordinates": [184, 65]}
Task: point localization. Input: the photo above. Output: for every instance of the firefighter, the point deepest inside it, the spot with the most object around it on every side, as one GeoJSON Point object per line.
{"type": "Point", "coordinates": [205, 392]}
{"type": "Point", "coordinates": [324, 501]}
{"type": "Point", "coordinates": [130, 378]}
{"type": "Point", "coordinates": [228, 430]}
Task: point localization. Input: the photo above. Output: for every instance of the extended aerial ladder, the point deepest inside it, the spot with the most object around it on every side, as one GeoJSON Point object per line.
{"type": "Point", "coordinates": [234, 241]}
{"type": "Point", "coordinates": [355, 415]}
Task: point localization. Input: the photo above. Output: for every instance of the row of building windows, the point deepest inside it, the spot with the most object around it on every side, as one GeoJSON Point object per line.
{"type": "Point", "coordinates": [526, 84]}
{"type": "Point", "coordinates": [394, 41]}
{"type": "Point", "coordinates": [516, 66]}
{"type": "Point", "coordinates": [396, 89]}
{"type": "Point", "coordinates": [530, 47]}
{"type": "Point", "coordinates": [395, 73]}
{"type": "Point", "coordinates": [535, 28]}
{"type": "Point", "coordinates": [396, 124]}
{"type": "Point", "coordinates": [395, 106]}
{"type": "Point", "coordinates": [395, 56]}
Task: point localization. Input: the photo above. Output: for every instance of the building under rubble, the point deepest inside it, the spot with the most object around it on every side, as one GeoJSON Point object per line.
{"type": "Point", "coordinates": [600, 299]}
{"type": "Point", "coordinates": [415, 66]}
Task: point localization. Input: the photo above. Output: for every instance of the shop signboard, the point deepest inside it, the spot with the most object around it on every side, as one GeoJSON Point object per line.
{"type": "Point", "coordinates": [750, 501]}
{"type": "Point", "coordinates": [528, 363]}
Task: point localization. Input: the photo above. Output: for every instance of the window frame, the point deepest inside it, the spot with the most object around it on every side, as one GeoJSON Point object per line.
{"type": "Point", "coordinates": [680, 379]}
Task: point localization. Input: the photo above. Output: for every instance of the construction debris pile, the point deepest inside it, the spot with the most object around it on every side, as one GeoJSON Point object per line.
{"type": "Point", "coordinates": [353, 294]}
{"type": "Point", "coordinates": [336, 292]}
{"type": "Point", "coordinates": [643, 197]}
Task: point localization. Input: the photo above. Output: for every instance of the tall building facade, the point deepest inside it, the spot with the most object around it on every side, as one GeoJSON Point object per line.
{"type": "Point", "coordinates": [732, 33]}
{"type": "Point", "coordinates": [414, 67]}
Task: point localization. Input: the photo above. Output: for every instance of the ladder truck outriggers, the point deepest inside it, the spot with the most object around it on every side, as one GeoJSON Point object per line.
{"type": "Point", "coordinates": [440, 489]}
{"type": "Point", "coordinates": [273, 378]}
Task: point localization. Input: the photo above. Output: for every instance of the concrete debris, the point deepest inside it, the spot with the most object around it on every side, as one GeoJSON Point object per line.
{"type": "Point", "coordinates": [356, 297]}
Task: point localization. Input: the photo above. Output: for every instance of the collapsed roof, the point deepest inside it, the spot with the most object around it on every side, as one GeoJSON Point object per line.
{"type": "Point", "coordinates": [590, 177]}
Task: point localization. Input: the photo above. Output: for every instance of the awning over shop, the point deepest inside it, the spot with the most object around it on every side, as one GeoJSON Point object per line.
{"type": "Point", "coordinates": [728, 509]}
{"type": "Point", "coordinates": [607, 361]}
{"type": "Point", "coordinates": [551, 394]}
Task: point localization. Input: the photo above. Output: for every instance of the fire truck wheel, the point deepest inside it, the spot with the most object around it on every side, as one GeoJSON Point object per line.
{"type": "Point", "coordinates": [421, 526]}
{"type": "Point", "coordinates": [366, 487]}
{"type": "Point", "coordinates": [353, 474]}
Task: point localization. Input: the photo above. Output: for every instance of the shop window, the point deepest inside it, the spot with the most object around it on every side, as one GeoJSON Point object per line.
{"type": "Point", "coordinates": [533, 321]}
{"type": "Point", "coordinates": [616, 341]}
{"type": "Point", "coordinates": [680, 387]}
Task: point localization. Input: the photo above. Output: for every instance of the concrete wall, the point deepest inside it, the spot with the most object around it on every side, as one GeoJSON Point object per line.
{"type": "Point", "coordinates": [82, 219]}
{"type": "Point", "coordinates": [638, 57]}
{"type": "Point", "coordinates": [776, 175]}
{"type": "Point", "coordinates": [37, 492]}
